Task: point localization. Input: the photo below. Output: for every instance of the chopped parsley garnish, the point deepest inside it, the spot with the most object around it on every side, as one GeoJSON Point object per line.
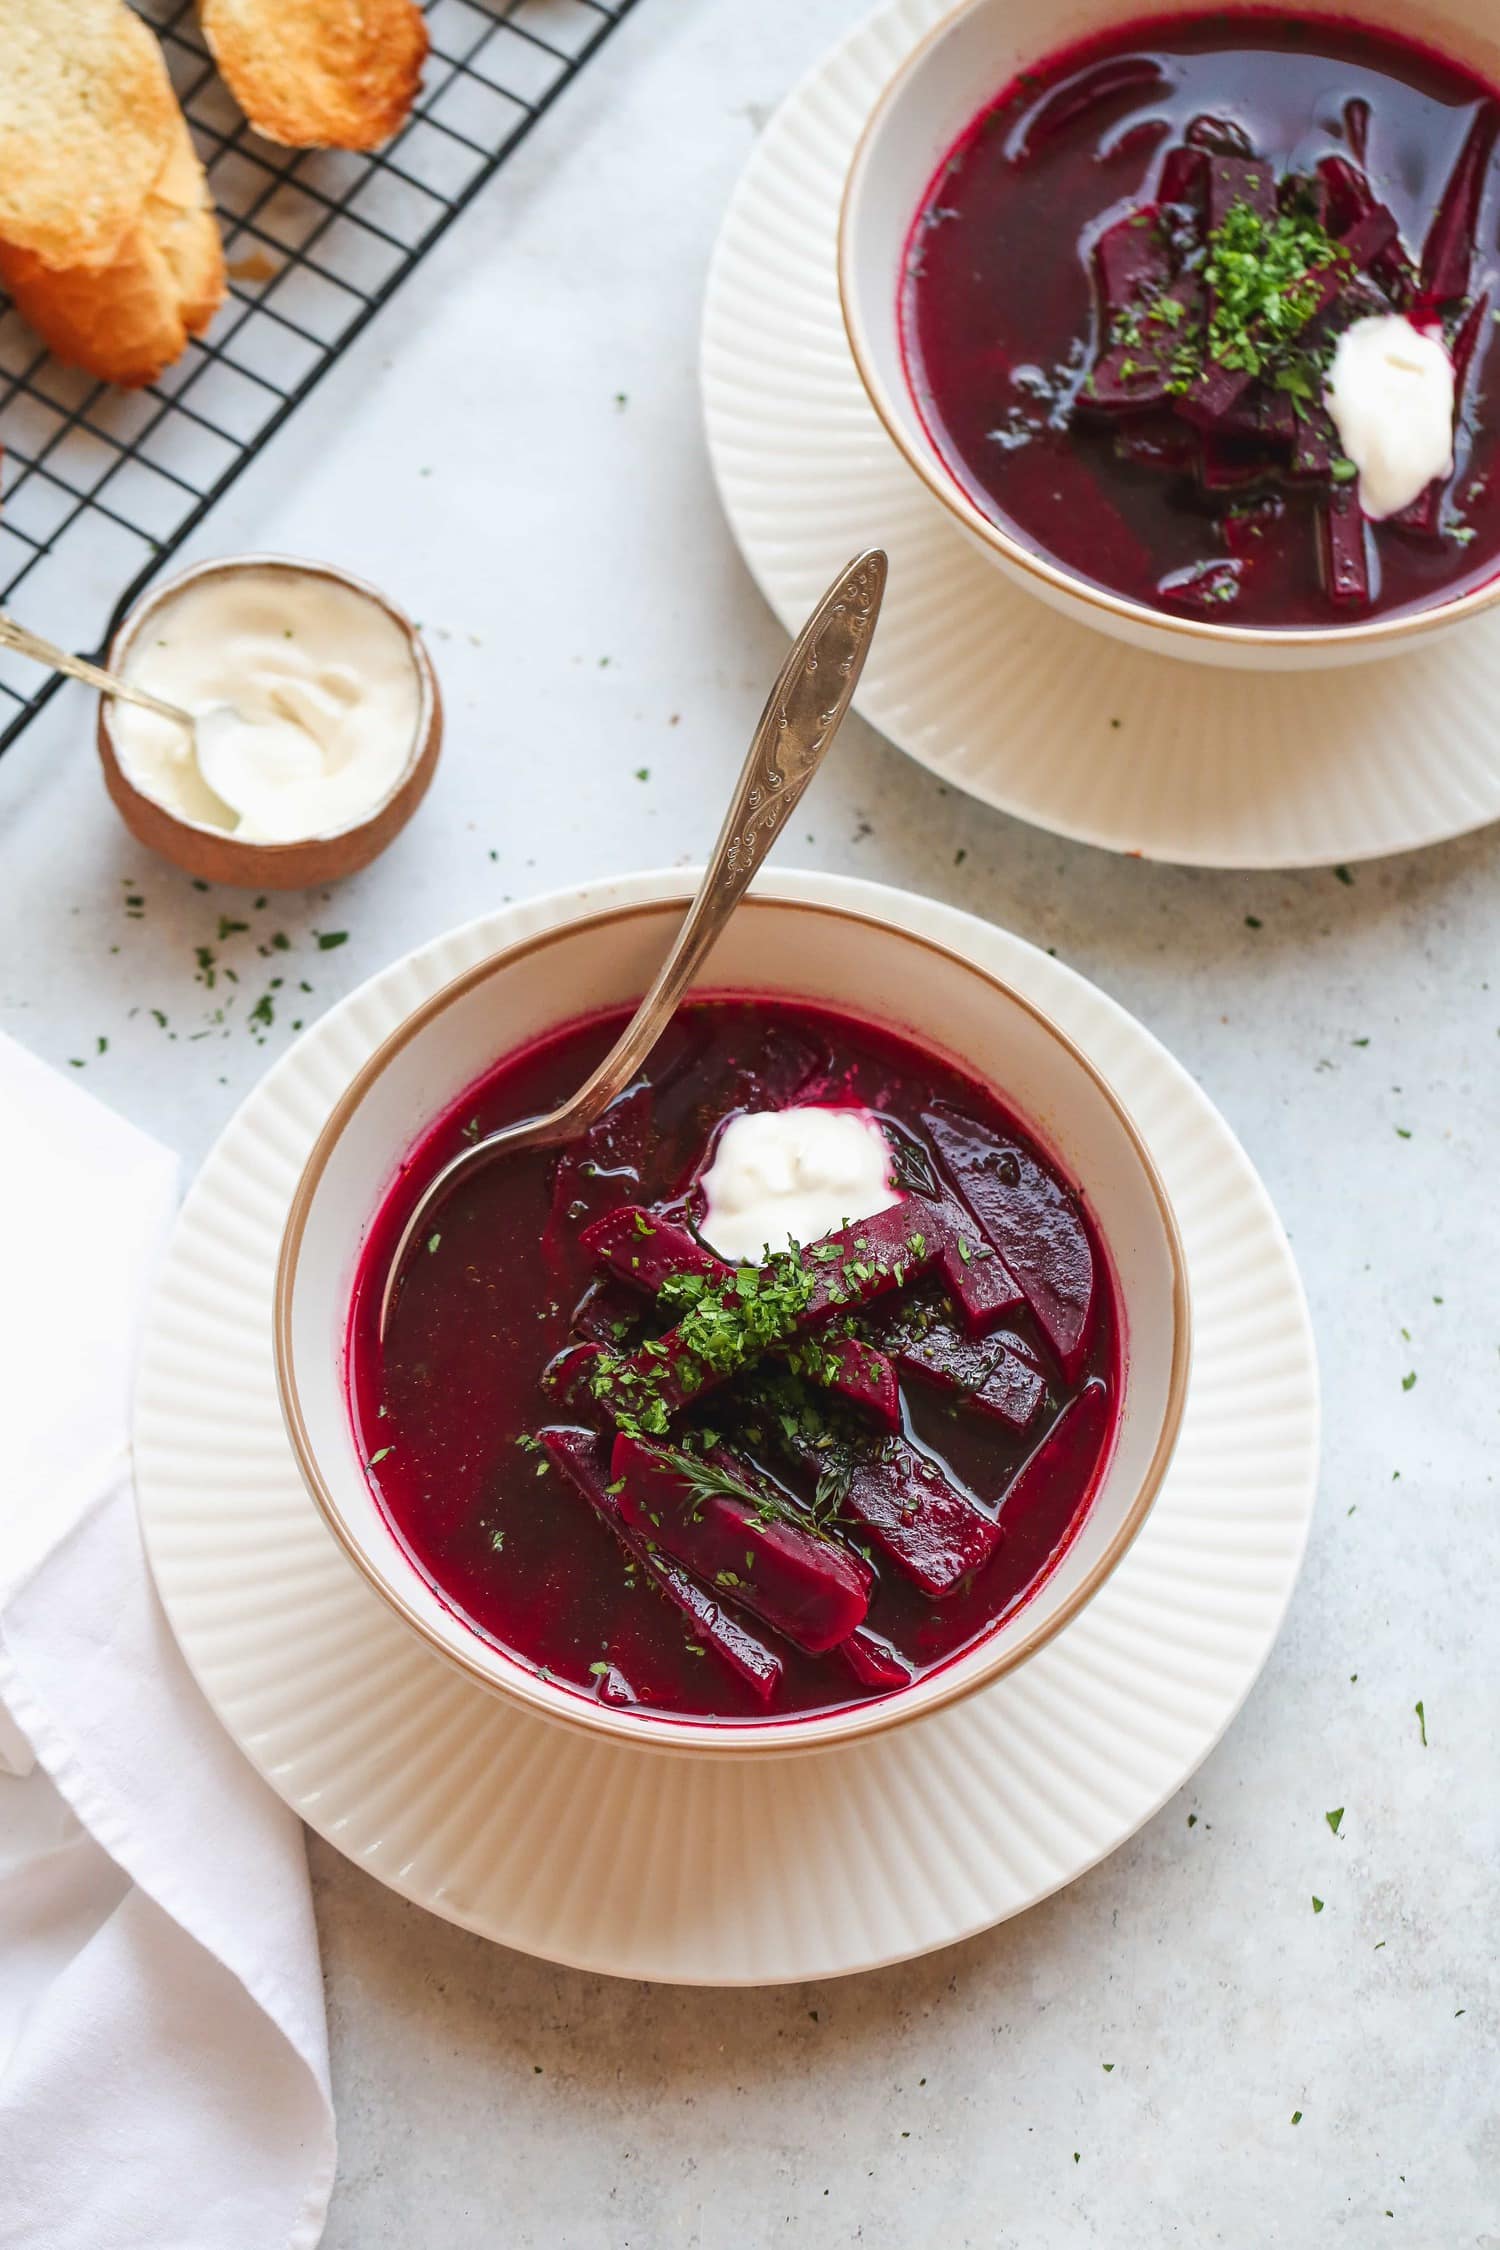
{"type": "Point", "coordinates": [1262, 274]}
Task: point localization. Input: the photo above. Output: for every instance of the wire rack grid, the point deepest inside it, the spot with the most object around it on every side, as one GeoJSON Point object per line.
{"type": "Point", "coordinates": [99, 486]}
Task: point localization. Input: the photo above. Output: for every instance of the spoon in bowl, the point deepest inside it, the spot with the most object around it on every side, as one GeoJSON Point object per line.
{"type": "Point", "coordinates": [802, 715]}
{"type": "Point", "coordinates": [42, 651]}
{"type": "Point", "coordinates": [218, 733]}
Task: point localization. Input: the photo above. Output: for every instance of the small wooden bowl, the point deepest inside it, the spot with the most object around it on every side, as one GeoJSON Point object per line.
{"type": "Point", "coordinates": [217, 857]}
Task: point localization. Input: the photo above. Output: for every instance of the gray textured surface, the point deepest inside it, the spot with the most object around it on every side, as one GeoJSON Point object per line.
{"type": "Point", "coordinates": [473, 456]}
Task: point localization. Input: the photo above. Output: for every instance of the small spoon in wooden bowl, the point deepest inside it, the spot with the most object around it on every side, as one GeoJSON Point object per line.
{"type": "Point", "coordinates": [216, 733]}
{"type": "Point", "coordinates": [42, 651]}
{"type": "Point", "coordinates": [802, 715]}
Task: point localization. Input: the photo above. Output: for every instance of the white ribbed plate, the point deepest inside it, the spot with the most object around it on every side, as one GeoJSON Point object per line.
{"type": "Point", "coordinates": [655, 1866]}
{"type": "Point", "coordinates": [976, 678]}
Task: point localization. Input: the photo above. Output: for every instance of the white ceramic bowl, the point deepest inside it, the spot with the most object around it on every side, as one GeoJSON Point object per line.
{"type": "Point", "coordinates": [772, 946]}
{"type": "Point", "coordinates": [940, 87]}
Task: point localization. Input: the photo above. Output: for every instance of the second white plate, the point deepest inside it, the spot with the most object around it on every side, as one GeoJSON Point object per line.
{"type": "Point", "coordinates": [974, 677]}
{"type": "Point", "coordinates": [647, 1865]}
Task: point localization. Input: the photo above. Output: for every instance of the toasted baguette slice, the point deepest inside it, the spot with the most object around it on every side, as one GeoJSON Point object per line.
{"type": "Point", "coordinates": [87, 114]}
{"type": "Point", "coordinates": [319, 73]}
{"type": "Point", "coordinates": [128, 320]}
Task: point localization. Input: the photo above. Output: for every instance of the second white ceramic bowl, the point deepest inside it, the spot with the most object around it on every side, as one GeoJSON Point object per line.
{"type": "Point", "coordinates": [777, 947]}
{"type": "Point", "coordinates": [941, 86]}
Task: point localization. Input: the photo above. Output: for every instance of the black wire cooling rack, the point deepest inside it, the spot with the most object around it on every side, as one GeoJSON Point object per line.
{"type": "Point", "coordinates": [100, 485]}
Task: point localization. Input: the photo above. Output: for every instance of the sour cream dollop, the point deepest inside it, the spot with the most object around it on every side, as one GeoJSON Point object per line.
{"type": "Point", "coordinates": [793, 1172]}
{"type": "Point", "coordinates": [1390, 392]}
{"type": "Point", "coordinates": [325, 700]}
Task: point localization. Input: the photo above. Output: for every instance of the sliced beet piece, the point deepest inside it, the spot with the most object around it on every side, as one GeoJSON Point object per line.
{"type": "Point", "coordinates": [1203, 589]}
{"type": "Point", "coordinates": [1347, 194]}
{"type": "Point", "coordinates": [808, 1588]}
{"type": "Point", "coordinates": [1316, 446]}
{"type": "Point", "coordinates": [583, 1459]}
{"type": "Point", "coordinates": [1090, 89]}
{"type": "Point", "coordinates": [1219, 136]}
{"type": "Point", "coordinates": [1131, 260]}
{"type": "Point", "coordinates": [867, 1379]}
{"type": "Point", "coordinates": [569, 1374]}
{"type": "Point", "coordinates": [1448, 251]}
{"type": "Point", "coordinates": [647, 1251]}
{"type": "Point", "coordinates": [1243, 529]}
{"type": "Point", "coordinates": [600, 1170]}
{"type": "Point", "coordinates": [923, 1522]}
{"type": "Point", "coordinates": [930, 1530]}
{"type": "Point", "coordinates": [997, 1378]}
{"type": "Point", "coordinates": [1236, 179]}
{"type": "Point", "coordinates": [1184, 176]}
{"type": "Point", "coordinates": [1131, 378]}
{"type": "Point", "coordinates": [1031, 1220]}
{"type": "Point", "coordinates": [1424, 516]}
{"type": "Point", "coordinates": [1073, 1443]}
{"type": "Point", "coordinates": [1357, 127]}
{"type": "Point", "coordinates": [609, 1314]}
{"type": "Point", "coordinates": [874, 1256]}
{"type": "Point", "coordinates": [1348, 198]}
{"type": "Point", "coordinates": [873, 1660]}
{"type": "Point", "coordinates": [1343, 555]}
{"type": "Point", "coordinates": [981, 1282]}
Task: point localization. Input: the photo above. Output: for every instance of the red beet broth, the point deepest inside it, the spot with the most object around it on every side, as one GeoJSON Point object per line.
{"type": "Point", "coordinates": [526, 1541]}
{"type": "Point", "coordinates": [1006, 315]}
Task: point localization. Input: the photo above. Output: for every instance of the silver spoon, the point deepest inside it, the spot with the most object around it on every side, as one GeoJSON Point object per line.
{"type": "Point", "coordinates": [802, 715]}
{"type": "Point", "coordinates": [213, 731]}
{"type": "Point", "coordinates": [27, 643]}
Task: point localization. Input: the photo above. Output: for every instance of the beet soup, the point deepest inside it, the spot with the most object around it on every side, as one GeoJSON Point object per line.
{"type": "Point", "coordinates": [1170, 284]}
{"type": "Point", "coordinates": [758, 1485]}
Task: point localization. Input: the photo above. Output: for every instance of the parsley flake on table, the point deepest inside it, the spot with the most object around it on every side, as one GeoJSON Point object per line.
{"type": "Point", "coordinates": [1421, 1720]}
{"type": "Point", "coordinates": [1334, 1818]}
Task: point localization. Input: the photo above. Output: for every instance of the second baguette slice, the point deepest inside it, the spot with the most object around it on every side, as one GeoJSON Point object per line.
{"type": "Point", "coordinates": [126, 321]}
{"type": "Point", "coordinates": [319, 73]}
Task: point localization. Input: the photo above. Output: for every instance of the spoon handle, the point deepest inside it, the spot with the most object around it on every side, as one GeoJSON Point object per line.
{"type": "Point", "coordinates": [802, 715]}
{"type": "Point", "coordinates": [27, 643]}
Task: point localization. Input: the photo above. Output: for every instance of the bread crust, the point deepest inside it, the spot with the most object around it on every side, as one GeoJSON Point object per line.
{"type": "Point", "coordinates": [126, 321]}
{"type": "Point", "coordinates": [87, 114]}
{"type": "Point", "coordinates": [319, 73]}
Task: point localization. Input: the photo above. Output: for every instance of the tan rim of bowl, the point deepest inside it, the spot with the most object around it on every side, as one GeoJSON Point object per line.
{"type": "Point", "coordinates": [212, 854]}
{"type": "Point", "coordinates": [790, 1735]}
{"type": "Point", "coordinates": [944, 486]}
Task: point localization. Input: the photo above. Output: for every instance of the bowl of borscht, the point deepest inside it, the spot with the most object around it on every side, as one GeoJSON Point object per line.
{"type": "Point", "coordinates": [820, 1382]}
{"type": "Point", "coordinates": [1189, 316]}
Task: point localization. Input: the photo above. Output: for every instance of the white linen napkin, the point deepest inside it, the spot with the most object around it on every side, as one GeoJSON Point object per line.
{"type": "Point", "coordinates": [163, 2048]}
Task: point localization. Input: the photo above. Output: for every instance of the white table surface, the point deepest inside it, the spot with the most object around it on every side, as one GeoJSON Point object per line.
{"type": "Point", "coordinates": [1120, 2067]}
